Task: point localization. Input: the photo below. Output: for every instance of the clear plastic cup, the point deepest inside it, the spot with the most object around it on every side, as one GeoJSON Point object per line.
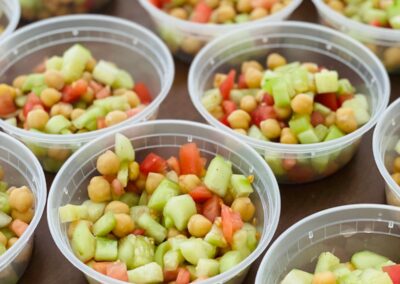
{"type": "Point", "coordinates": [386, 136]}
{"type": "Point", "coordinates": [10, 13]}
{"type": "Point", "coordinates": [165, 137]}
{"type": "Point", "coordinates": [297, 41]}
{"type": "Point", "coordinates": [342, 230]}
{"type": "Point", "coordinates": [385, 43]}
{"type": "Point", "coordinates": [128, 45]}
{"type": "Point", "coordinates": [21, 168]}
{"type": "Point", "coordinates": [185, 38]}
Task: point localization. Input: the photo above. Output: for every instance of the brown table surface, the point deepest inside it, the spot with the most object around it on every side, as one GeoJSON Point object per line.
{"type": "Point", "coordinates": [358, 182]}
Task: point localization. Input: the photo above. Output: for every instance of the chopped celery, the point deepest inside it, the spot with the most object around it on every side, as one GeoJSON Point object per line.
{"type": "Point", "coordinates": [56, 124]}
{"type": "Point", "coordinates": [106, 249]}
{"type": "Point", "coordinates": [152, 227]}
{"type": "Point", "coordinates": [229, 260]}
{"type": "Point", "coordinates": [179, 209]}
{"type": "Point", "coordinates": [165, 190]}
{"type": "Point", "coordinates": [241, 186]}
{"type": "Point", "coordinates": [195, 249]}
{"type": "Point", "coordinates": [146, 274]}
{"type": "Point", "coordinates": [70, 213]}
{"type": "Point", "coordinates": [83, 242]}
{"type": "Point", "coordinates": [123, 148]}
{"type": "Point", "coordinates": [105, 224]}
{"type": "Point", "coordinates": [218, 175]}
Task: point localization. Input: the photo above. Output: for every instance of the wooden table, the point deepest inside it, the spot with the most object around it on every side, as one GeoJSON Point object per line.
{"type": "Point", "coordinates": [358, 182]}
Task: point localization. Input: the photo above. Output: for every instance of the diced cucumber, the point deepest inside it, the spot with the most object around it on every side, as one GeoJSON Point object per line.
{"type": "Point", "coordinates": [308, 137]}
{"type": "Point", "coordinates": [135, 251]}
{"type": "Point", "coordinates": [195, 249]}
{"type": "Point", "coordinates": [375, 15]}
{"type": "Point", "coordinates": [172, 260]}
{"type": "Point", "coordinates": [321, 131]}
{"type": "Point", "coordinates": [88, 116]}
{"type": "Point", "coordinates": [179, 209]}
{"type": "Point", "coordinates": [105, 72]}
{"type": "Point", "coordinates": [83, 242]}
{"type": "Point", "coordinates": [129, 198]}
{"type": "Point", "coordinates": [230, 260]}
{"type": "Point", "coordinates": [280, 92]}
{"type": "Point", "coordinates": [123, 173]}
{"type": "Point", "coordinates": [299, 78]}
{"type": "Point", "coordinates": [320, 163]}
{"type": "Point", "coordinates": [207, 267]}
{"type": "Point", "coordinates": [326, 262]}
{"type": "Point", "coordinates": [256, 133]}
{"type": "Point", "coordinates": [296, 276]}
{"type": "Point", "coordinates": [176, 242]}
{"type": "Point", "coordinates": [218, 175]}
{"type": "Point", "coordinates": [146, 274]}
{"type": "Point", "coordinates": [160, 252]}
{"type": "Point", "coordinates": [322, 109]}
{"type": "Point", "coordinates": [94, 210]}
{"type": "Point", "coordinates": [341, 270]}
{"type": "Point", "coordinates": [216, 237]}
{"type": "Point", "coordinates": [300, 123]}
{"type": "Point", "coordinates": [327, 82]}
{"type": "Point", "coordinates": [3, 186]}
{"type": "Point", "coordinates": [56, 124]}
{"type": "Point", "coordinates": [237, 95]}
{"type": "Point", "coordinates": [367, 259]}
{"type": "Point", "coordinates": [106, 249]}
{"type": "Point", "coordinates": [152, 227]}
{"type": "Point", "coordinates": [105, 224]}
{"type": "Point", "coordinates": [333, 133]}
{"type": "Point", "coordinates": [165, 190]}
{"type": "Point", "coordinates": [242, 18]}
{"type": "Point", "coordinates": [275, 163]}
{"type": "Point", "coordinates": [137, 211]}
{"type": "Point", "coordinates": [241, 186]}
{"type": "Point", "coordinates": [71, 213]}
{"type": "Point", "coordinates": [74, 62]}
{"type": "Point", "coordinates": [211, 99]}
{"type": "Point", "coordinates": [123, 80]}
{"type": "Point", "coordinates": [345, 87]}
{"type": "Point", "coordinates": [54, 63]}
{"type": "Point", "coordinates": [144, 198]}
{"type": "Point", "coordinates": [3, 249]}
{"type": "Point", "coordinates": [5, 220]}
{"type": "Point", "coordinates": [113, 103]}
{"type": "Point", "coordinates": [245, 240]}
{"type": "Point", "coordinates": [373, 276]}
{"type": "Point", "coordinates": [21, 101]}
{"type": "Point", "coordinates": [288, 67]}
{"type": "Point", "coordinates": [7, 233]}
{"type": "Point", "coordinates": [4, 202]}
{"type": "Point", "coordinates": [32, 81]}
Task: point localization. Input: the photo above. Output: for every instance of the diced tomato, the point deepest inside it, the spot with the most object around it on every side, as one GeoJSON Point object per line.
{"type": "Point", "coordinates": [156, 3]}
{"type": "Point", "coordinates": [228, 107]}
{"type": "Point", "coordinates": [189, 159]}
{"type": "Point", "coordinates": [183, 276]}
{"type": "Point", "coordinates": [68, 94]}
{"type": "Point", "coordinates": [317, 118]}
{"type": "Point", "coordinates": [101, 123]}
{"type": "Point", "coordinates": [328, 100]}
{"type": "Point", "coordinates": [242, 82]}
{"type": "Point", "coordinates": [173, 164]}
{"type": "Point", "coordinates": [200, 194]}
{"type": "Point", "coordinates": [231, 222]}
{"type": "Point", "coordinates": [224, 120]}
{"type": "Point", "coordinates": [31, 101]}
{"type": "Point", "coordinates": [268, 99]}
{"type": "Point", "coordinates": [101, 267]}
{"type": "Point", "coordinates": [202, 13]}
{"type": "Point", "coordinates": [134, 111]}
{"type": "Point", "coordinates": [80, 87]}
{"type": "Point", "coordinates": [375, 23]}
{"type": "Point", "coordinates": [18, 227]}
{"type": "Point", "coordinates": [153, 163]}
{"type": "Point", "coordinates": [117, 270]}
{"type": "Point", "coordinates": [212, 208]}
{"type": "Point", "coordinates": [288, 163]}
{"type": "Point", "coordinates": [199, 208]}
{"type": "Point", "coordinates": [266, 4]}
{"type": "Point", "coordinates": [103, 93]}
{"type": "Point", "coordinates": [139, 232]}
{"type": "Point", "coordinates": [394, 272]}
{"type": "Point", "coordinates": [96, 87]}
{"type": "Point", "coordinates": [262, 113]}
{"type": "Point", "coordinates": [143, 93]}
{"type": "Point", "coordinates": [227, 85]}
{"type": "Point", "coordinates": [170, 275]}
{"type": "Point", "coordinates": [131, 187]}
{"type": "Point", "coordinates": [342, 98]}
{"type": "Point", "coordinates": [7, 105]}
{"type": "Point", "coordinates": [117, 187]}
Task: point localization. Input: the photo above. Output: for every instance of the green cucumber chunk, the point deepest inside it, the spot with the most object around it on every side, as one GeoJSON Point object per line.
{"type": "Point", "coordinates": [106, 249]}
{"type": "Point", "coordinates": [146, 274]}
{"type": "Point", "coordinates": [83, 242]}
{"type": "Point", "coordinates": [218, 175]}
{"type": "Point", "coordinates": [105, 224]}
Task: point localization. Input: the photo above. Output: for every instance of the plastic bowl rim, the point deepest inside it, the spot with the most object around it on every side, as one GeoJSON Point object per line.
{"type": "Point", "coordinates": [13, 20]}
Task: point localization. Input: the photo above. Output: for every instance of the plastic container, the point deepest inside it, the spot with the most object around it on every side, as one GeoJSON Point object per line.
{"type": "Point", "coordinates": [21, 168]}
{"type": "Point", "coordinates": [42, 9]}
{"type": "Point", "coordinates": [342, 230]}
{"type": "Point", "coordinates": [165, 137]}
{"type": "Point", "coordinates": [185, 38]}
{"type": "Point", "coordinates": [297, 41]}
{"type": "Point", "coordinates": [126, 44]}
{"type": "Point", "coordinates": [385, 43]}
{"type": "Point", "coordinates": [10, 13]}
{"type": "Point", "coordinates": [386, 136]}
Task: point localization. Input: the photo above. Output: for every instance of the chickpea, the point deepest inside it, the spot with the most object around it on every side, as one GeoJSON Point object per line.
{"type": "Point", "coordinates": [302, 104]}
{"type": "Point", "coordinates": [88, 97]}
{"type": "Point", "coordinates": [288, 137]}
{"type": "Point", "coordinates": [115, 117]}
{"type": "Point", "coordinates": [277, 7]}
{"type": "Point", "coordinates": [26, 216]}
{"type": "Point", "coordinates": [179, 13]}
{"type": "Point", "coordinates": [3, 239]}
{"type": "Point", "coordinates": [346, 120]}
{"type": "Point", "coordinates": [50, 97]}
{"type": "Point", "coordinates": [310, 67]}
{"type": "Point", "coordinates": [117, 207]}
{"type": "Point", "coordinates": [59, 154]}
{"type": "Point", "coordinates": [324, 278]}
{"type": "Point", "coordinates": [253, 78]}
{"type": "Point", "coordinates": [99, 189]}
{"type": "Point", "coordinates": [172, 232]}
{"type": "Point", "coordinates": [19, 81]}
{"type": "Point", "coordinates": [212, 3]}
{"type": "Point", "coordinates": [219, 78]}
{"type": "Point", "coordinates": [12, 242]}
{"type": "Point", "coordinates": [271, 128]}
{"type": "Point", "coordinates": [283, 113]}
{"type": "Point", "coordinates": [21, 199]}
{"type": "Point", "coordinates": [396, 165]}
{"type": "Point", "coordinates": [396, 177]}
{"type": "Point", "coordinates": [225, 13]}
{"type": "Point", "coordinates": [152, 182]}
{"type": "Point", "coordinates": [330, 119]}
{"type": "Point", "coordinates": [124, 226]}
{"type": "Point", "coordinates": [199, 225]}
{"type": "Point", "coordinates": [239, 119]}
{"type": "Point", "coordinates": [251, 64]}
{"type": "Point", "coordinates": [244, 6]}
{"type": "Point", "coordinates": [133, 98]}
{"type": "Point", "coordinates": [54, 79]}
{"type": "Point", "coordinates": [391, 57]}
{"type": "Point", "coordinates": [248, 103]}
{"type": "Point", "coordinates": [77, 113]}
{"type": "Point", "coordinates": [217, 112]}
{"type": "Point", "coordinates": [240, 131]}
{"type": "Point", "coordinates": [141, 182]}
{"type": "Point", "coordinates": [244, 207]}
{"type": "Point", "coordinates": [258, 13]}
{"type": "Point", "coordinates": [191, 45]}
{"type": "Point", "coordinates": [133, 171]}
{"type": "Point", "coordinates": [64, 109]}
{"type": "Point", "coordinates": [37, 119]}
{"type": "Point", "coordinates": [91, 63]}
{"type": "Point", "coordinates": [188, 182]}
{"type": "Point", "coordinates": [336, 5]}
{"type": "Point", "coordinates": [108, 163]}
{"type": "Point", "coordinates": [87, 76]}
{"type": "Point", "coordinates": [275, 60]}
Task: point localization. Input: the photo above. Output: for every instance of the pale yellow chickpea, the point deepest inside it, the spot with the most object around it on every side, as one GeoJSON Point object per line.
{"type": "Point", "coordinates": [124, 226]}
{"type": "Point", "coordinates": [21, 199]}
{"type": "Point", "coordinates": [239, 119]}
{"type": "Point", "coordinates": [275, 60]}
{"type": "Point", "coordinates": [258, 13]}
{"type": "Point", "coordinates": [288, 137]}
{"type": "Point", "coordinates": [396, 178]}
{"type": "Point", "coordinates": [225, 13]}
{"type": "Point", "coordinates": [336, 5]}
{"type": "Point", "coordinates": [133, 171]}
{"type": "Point", "coordinates": [133, 98]}
{"type": "Point", "coordinates": [54, 79]}
{"type": "Point", "coordinates": [391, 57]}
{"type": "Point", "coordinates": [244, 6]}
{"type": "Point", "coordinates": [191, 45]}
{"type": "Point", "coordinates": [7, 90]}
{"type": "Point", "coordinates": [212, 3]}
{"type": "Point", "coordinates": [219, 78]}
{"type": "Point", "coordinates": [11, 242]}
{"type": "Point", "coordinates": [188, 182]}
{"type": "Point", "coordinates": [248, 103]}
{"type": "Point", "coordinates": [117, 207]}
{"type": "Point", "coordinates": [271, 128]}
{"type": "Point", "coordinates": [37, 119]}
{"type": "Point", "coordinates": [396, 165]}
{"type": "Point", "coordinates": [324, 278]}
{"type": "Point", "coordinates": [277, 7]}
{"type": "Point", "coordinates": [26, 216]}
{"type": "Point", "coordinates": [19, 81]}
{"type": "Point", "coordinates": [115, 117]}
{"type": "Point", "coordinates": [99, 189]}
{"type": "Point", "coordinates": [3, 239]}
{"type": "Point", "coordinates": [59, 154]}
{"type": "Point", "coordinates": [283, 113]}
{"type": "Point", "coordinates": [240, 131]}
{"type": "Point", "coordinates": [179, 13]}
{"type": "Point", "coordinates": [90, 64]}
{"type": "Point", "coordinates": [253, 77]}
{"type": "Point", "coordinates": [330, 119]}
{"type": "Point", "coordinates": [87, 76]}
{"type": "Point", "coordinates": [217, 112]}
{"type": "Point", "coordinates": [140, 182]}
{"type": "Point", "coordinates": [346, 120]}
{"type": "Point", "coordinates": [172, 232]}
{"type": "Point", "coordinates": [108, 163]}
{"type": "Point", "coordinates": [50, 97]}
{"type": "Point", "coordinates": [61, 108]}
{"type": "Point", "coordinates": [302, 104]}
{"type": "Point", "coordinates": [152, 182]}
{"type": "Point", "coordinates": [244, 207]}
{"type": "Point", "coordinates": [310, 67]}
{"type": "Point", "coordinates": [199, 226]}
{"type": "Point", "coordinates": [77, 113]}
{"type": "Point", "coordinates": [251, 64]}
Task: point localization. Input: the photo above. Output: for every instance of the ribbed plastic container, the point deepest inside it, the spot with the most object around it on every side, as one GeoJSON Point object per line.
{"type": "Point", "coordinates": [185, 38]}
{"type": "Point", "coordinates": [342, 231]}
{"type": "Point", "coordinates": [386, 136]}
{"type": "Point", "coordinates": [10, 13]}
{"type": "Point", "coordinates": [385, 43]}
{"type": "Point", "coordinates": [297, 41]}
{"type": "Point", "coordinates": [164, 137]}
{"type": "Point", "coordinates": [128, 45]}
{"type": "Point", "coordinates": [21, 168]}
{"type": "Point", "coordinates": [41, 9]}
